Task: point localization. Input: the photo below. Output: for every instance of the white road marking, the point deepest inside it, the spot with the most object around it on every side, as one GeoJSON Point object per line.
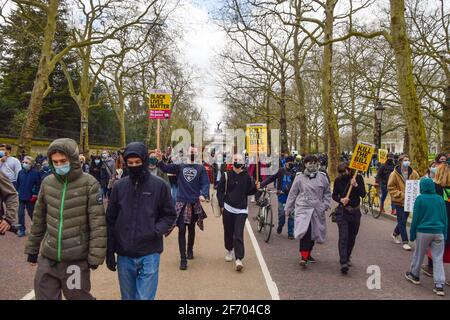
{"type": "Point", "coordinates": [271, 285]}
{"type": "Point", "coordinates": [29, 296]}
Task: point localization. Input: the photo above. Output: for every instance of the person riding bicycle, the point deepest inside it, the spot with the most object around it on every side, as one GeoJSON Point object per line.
{"type": "Point", "coordinates": [283, 180]}
{"type": "Point", "coordinates": [309, 198]}
{"type": "Point", "coordinates": [232, 192]}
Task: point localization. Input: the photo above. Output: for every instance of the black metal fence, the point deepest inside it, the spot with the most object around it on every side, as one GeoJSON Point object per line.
{"type": "Point", "coordinates": [50, 134]}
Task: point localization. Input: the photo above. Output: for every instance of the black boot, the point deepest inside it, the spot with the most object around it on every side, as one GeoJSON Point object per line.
{"type": "Point", "coordinates": [190, 254]}
{"type": "Point", "coordinates": [183, 264]}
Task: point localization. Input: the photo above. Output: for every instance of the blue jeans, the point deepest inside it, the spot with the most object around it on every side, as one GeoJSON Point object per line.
{"type": "Point", "coordinates": [174, 192]}
{"type": "Point", "coordinates": [402, 218]}
{"type": "Point", "coordinates": [282, 219]}
{"type": "Point", "coordinates": [138, 277]}
{"type": "Point", "coordinates": [25, 204]}
{"type": "Point", "coordinates": [384, 193]}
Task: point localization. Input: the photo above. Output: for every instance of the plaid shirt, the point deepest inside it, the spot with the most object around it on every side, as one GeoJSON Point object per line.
{"type": "Point", "coordinates": [185, 211]}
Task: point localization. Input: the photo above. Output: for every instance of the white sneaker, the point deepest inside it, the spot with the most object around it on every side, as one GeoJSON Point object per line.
{"type": "Point", "coordinates": [239, 265]}
{"type": "Point", "coordinates": [407, 247]}
{"type": "Point", "coordinates": [396, 239]}
{"type": "Point", "coordinates": [229, 256]}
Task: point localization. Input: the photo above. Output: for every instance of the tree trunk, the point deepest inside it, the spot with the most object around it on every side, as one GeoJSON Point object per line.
{"type": "Point", "coordinates": [283, 121]}
{"type": "Point", "coordinates": [121, 118]}
{"type": "Point", "coordinates": [446, 120]}
{"type": "Point", "coordinates": [331, 126]}
{"type": "Point", "coordinates": [407, 89]}
{"type": "Point", "coordinates": [41, 86]}
{"type": "Point", "coordinates": [302, 118]}
{"type": "Point", "coordinates": [316, 142]}
{"type": "Point", "coordinates": [84, 134]}
{"type": "Point", "coordinates": [406, 141]}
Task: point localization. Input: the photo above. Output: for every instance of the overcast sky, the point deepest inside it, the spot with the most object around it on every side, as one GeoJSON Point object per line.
{"type": "Point", "coordinates": [201, 42]}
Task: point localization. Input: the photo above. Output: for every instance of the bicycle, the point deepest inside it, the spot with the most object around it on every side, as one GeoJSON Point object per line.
{"type": "Point", "coordinates": [264, 219]}
{"type": "Point", "coordinates": [371, 202]}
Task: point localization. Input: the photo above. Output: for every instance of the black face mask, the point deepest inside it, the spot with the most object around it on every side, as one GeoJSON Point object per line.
{"type": "Point", "coordinates": [136, 172]}
{"type": "Point", "coordinates": [192, 157]}
{"type": "Point", "coordinates": [289, 166]}
{"type": "Point", "coordinates": [238, 165]}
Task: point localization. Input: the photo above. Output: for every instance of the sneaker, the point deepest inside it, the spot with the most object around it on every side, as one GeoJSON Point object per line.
{"type": "Point", "coordinates": [183, 265]}
{"type": "Point", "coordinates": [21, 234]}
{"type": "Point", "coordinates": [303, 262]}
{"type": "Point", "coordinates": [349, 263]}
{"type": "Point", "coordinates": [439, 291]}
{"type": "Point", "coordinates": [407, 247]}
{"type": "Point", "coordinates": [409, 276]}
{"type": "Point", "coordinates": [344, 268]}
{"type": "Point", "coordinates": [447, 283]}
{"type": "Point", "coordinates": [311, 260]}
{"type": "Point", "coordinates": [396, 239]}
{"type": "Point", "coordinates": [229, 256]}
{"type": "Point", "coordinates": [427, 270]}
{"type": "Point", "coordinates": [190, 255]}
{"type": "Point", "coordinates": [291, 237]}
{"type": "Point", "coordinates": [279, 230]}
{"type": "Point", "coordinates": [239, 265]}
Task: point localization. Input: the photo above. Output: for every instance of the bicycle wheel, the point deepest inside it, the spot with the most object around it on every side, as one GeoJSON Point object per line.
{"type": "Point", "coordinates": [268, 220]}
{"type": "Point", "coordinates": [260, 218]}
{"type": "Point", "coordinates": [376, 213]}
{"type": "Point", "coordinates": [365, 205]}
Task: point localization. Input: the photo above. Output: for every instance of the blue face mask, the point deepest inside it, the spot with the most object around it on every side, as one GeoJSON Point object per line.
{"type": "Point", "coordinates": [26, 166]}
{"type": "Point", "coordinates": [97, 161]}
{"type": "Point", "coordinates": [62, 170]}
{"type": "Point", "coordinates": [2, 154]}
{"type": "Point", "coordinates": [433, 170]}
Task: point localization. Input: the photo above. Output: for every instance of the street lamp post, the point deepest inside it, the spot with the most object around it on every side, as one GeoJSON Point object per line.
{"type": "Point", "coordinates": [84, 126]}
{"type": "Point", "coordinates": [379, 110]}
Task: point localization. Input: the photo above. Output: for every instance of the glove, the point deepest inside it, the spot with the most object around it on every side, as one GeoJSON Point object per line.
{"type": "Point", "coordinates": [32, 258]}
{"type": "Point", "coordinates": [111, 261]}
{"type": "Point", "coordinates": [92, 266]}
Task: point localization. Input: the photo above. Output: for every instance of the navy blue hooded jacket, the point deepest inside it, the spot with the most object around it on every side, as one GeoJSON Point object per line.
{"type": "Point", "coordinates": [139, 212]}
{"type": "Point", "coordinates": [28, 184]}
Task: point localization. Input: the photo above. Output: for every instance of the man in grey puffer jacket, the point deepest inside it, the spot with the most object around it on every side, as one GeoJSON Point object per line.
{"type": "Point", "coordinates": [69, 218]}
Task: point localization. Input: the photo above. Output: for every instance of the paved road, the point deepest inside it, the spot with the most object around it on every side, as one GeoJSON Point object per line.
{"type": "Point", "coordinates": [16, 275]}
{"type": "Point", "coordinates": [209, 277]}
{"type": "Point", "coordinates": [323, 279]}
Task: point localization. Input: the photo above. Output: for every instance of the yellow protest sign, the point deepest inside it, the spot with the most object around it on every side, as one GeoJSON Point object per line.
{"type": "Point", "coordinates": [256, 135]}
{"type": "Point", "coordinates": [382, 156]}
{"type": "Point", "coordinates": [362, 155]}
{"type": "Point", "coordinates": [160, 105]}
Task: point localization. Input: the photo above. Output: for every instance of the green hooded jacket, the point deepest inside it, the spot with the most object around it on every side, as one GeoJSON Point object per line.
{"type": "Point", "coordinates": [429, 215]}
{"type": "Point", "coordinates": [69, 218]}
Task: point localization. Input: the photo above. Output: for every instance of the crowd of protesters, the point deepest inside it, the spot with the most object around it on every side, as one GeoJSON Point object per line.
{"type": "Point", "coordinates": [118, 206]}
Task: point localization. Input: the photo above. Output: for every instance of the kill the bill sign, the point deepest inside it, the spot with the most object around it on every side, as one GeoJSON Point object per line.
{"type": "Point", "coordinates": [362, 155]}
{"type": "Point", "coordinates": [256, 135]}
{"type": "Point", "coordinates": [160, 105]}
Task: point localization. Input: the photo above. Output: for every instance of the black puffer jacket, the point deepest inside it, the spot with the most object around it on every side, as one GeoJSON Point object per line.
{"type": "Point", "coordinates": [139, 213]}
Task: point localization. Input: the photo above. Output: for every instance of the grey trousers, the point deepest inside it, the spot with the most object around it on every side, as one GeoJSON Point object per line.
{"type": "Point", "coordinates": [437, 244]}
{"type": "Point", "coordinates": [53, 278]}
